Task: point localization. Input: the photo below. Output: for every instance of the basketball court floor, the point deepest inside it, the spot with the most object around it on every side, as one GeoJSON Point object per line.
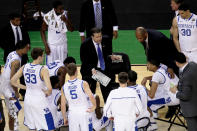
{"type": "Point", "coordinates": [142, 72]}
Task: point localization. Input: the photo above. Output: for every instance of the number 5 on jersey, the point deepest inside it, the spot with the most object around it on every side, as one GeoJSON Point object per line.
{"type": "Point", "coordinates": [73, 94]}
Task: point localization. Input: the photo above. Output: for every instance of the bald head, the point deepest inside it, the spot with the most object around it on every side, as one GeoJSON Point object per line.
{"type": "Point", "coordinates": [141, 34]}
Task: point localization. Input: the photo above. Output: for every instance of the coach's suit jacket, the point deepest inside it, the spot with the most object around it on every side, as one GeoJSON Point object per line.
{"type": "Point", "coordinates": [89, 58]}
{"type": "Point", "coordinates": [160, 48]}
{"type": "Point", "coordinates": [187, 90]}
{"type": "Point", "coordinates": [87, 18]}
{"type": "Point", "coordinates": [7, 42]}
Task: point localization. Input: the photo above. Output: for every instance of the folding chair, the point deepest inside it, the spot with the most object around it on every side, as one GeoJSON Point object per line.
{"type": "Point", "coordinates": [173, 118]}
{"type": "Point", "coordinates": [145, 126]}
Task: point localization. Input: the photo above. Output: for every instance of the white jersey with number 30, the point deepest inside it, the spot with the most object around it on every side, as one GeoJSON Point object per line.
{"type": "Point", "coordinates": [187, 29]}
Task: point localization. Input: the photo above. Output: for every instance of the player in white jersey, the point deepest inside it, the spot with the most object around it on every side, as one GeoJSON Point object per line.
{"type": "Point", "coordinates": [143, 118]}
{"type": "Point", "coordinates": [58, 23]}
{"type": "Point", "coordinates": [13, 63]}
{"type": "Point", "coordinates": [185, 32]}
{"type": "Point", "coordinates": [124, 105]}
{"type": "Point", "coordinates": [78, 94]}
{"type": "Point", "coordinates": [159, 93]}
{"type": "Point", "coordinates": [37, 115]}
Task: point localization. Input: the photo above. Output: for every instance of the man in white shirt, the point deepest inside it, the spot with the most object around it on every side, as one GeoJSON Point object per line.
{"type": "Point", "coordinates": [58, 23]}
{"type": "Point", "coordinates": [123, 105]}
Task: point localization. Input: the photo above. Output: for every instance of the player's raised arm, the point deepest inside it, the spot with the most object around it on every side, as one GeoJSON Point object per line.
{"type": "Point", "coordinates": [90, 95]}
{"type": "Point", "coordinates": [45, 76]}
{"type": "Point", "coordinates": [16, 77]}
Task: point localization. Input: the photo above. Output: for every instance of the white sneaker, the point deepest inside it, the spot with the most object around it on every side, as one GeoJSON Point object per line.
{"type": "Point", "coordinates": [153, 125]}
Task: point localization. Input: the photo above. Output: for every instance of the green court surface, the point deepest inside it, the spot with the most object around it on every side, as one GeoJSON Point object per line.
{"type": "Point", "coordinates": [126, 43]}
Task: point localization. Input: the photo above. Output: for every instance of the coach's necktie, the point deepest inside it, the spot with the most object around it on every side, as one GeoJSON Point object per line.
{"type": "Point", "coordinates": [17, 35]}
{"type": "Point", "coordinates": [100, 57]}
{"type": "Point", "coordinates": [98, 16]}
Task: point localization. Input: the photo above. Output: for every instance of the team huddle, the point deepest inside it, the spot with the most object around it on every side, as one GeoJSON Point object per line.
{"type": "Point", "coordinates": [48, 96]}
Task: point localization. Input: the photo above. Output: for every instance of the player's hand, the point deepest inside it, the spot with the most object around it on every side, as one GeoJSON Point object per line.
{"type": "Point", "coordinates": [93, 71]}
{"type": "Point", "coordinates": [144, 81]}
{"type": "Point", "coordinates": [115, 34]}
{"type": "Point", "coordinates": [47, 50]}
{"type": "Point", "coordinates": [137, 115]}
{"type": "Point", "coordinates": [46, 92]}
{"type": "Point", "coordinates": [65, 121]}
{"type": "Point", "coordinates": [91, 109]}
{"type": "Point", "coordinates": [63, 18]}
{"type": "Point", "coordinates": [171, 72]}
{"type": "Point", "coordinates": [17, 95]}
{"type": "Point", "coordinates": [111, 118]}
{"type": "Point", "coordinates": [173, 89]}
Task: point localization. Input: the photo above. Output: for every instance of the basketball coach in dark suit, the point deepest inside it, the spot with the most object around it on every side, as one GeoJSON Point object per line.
{"type": "Point", "coordinates": [100, 14]}
{"type": "Point", "coordinates": [187, 90]}
{"type": "Point", "coordinates": [10, 35]}
{"type": "Point", "coordinates": [160, 48]}
{"type": "Point", "coordinates": [95, 56]}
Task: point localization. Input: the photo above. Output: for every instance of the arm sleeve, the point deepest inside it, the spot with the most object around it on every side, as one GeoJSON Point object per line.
{"type": "Point", "coordinates": [107, 107]}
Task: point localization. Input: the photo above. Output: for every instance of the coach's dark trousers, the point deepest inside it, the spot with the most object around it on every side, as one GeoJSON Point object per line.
{"type": "Point", "coordinates": [191, 123]}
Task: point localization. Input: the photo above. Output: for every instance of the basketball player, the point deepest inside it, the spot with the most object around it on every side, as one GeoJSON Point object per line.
{"type": "Point", "coordinates": [185, 32]}
{"type": "Point", "coordinates": [124, 105]}
{"type": "Point", "coordinates": [77, 93]}
{"type": "Point", "coordinates": [142, 93]}
{"type": "Point", "coordinates": [159, 93]}
{"type": "Point", "coordinates": [37, 115]}
{"type": "Point", "coordinates": [13, 63]}
{"type": "Point", "coordinates": [58, 23]}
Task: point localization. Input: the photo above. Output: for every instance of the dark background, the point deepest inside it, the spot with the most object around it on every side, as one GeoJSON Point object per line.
{"type": "Point", "coordinates": [155, 14]}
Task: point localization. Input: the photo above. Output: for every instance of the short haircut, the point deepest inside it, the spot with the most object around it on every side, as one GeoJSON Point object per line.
{"type": "Point", "coordinates": [21, 44]}
{"type": "Point", "coordinates": [69, 60]}
{"type": "Point", "coordinates": [180, 57]}
{"type": "Point", "coordinates": [95, 30]}
{"type": "Point", "coordinates": [71, 69]}
{"type": "Point", "coordinates": [123, 77]}
{"type": "Point", "coordinates": [54, 80]}
{"type": "Point", "coordinates": [12, 16]}
{"type": "Point", "coordinates": [132, 76]}
{"type": "Point", "coordinates": [36, 52]}
{"type": "Point", "coordinates": [184, 7]}
{"type": "Point", "coordinates": [178, 1]}
{"type": "Point", "coordinates": [57, 3]}
{"type": "Point", "coordinates": [154, 62]}
{"type": "Point", "coordinates": [141, 30]}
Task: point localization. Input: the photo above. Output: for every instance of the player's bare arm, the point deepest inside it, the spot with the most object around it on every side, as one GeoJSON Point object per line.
{"type": "Point", "coordinates": [45, 77]}
{"type": "Point", "coordinates": [68, 22]}
{"type": "Point", "coordinates": [63, 106]}
{"type": "Point", "coordinates": [153, 89]}
{"type": "Point", "coordinates": [14, 68]}
{"type": "Point", "coordinates": [175, 34]}
{"type": "Point", "coordinates": [16, 77]}
{"type": "Point", "coordinates": [90, 95]}
{"type": "Point", "coordinates": [145, 79]}
{"type": "Point", "coordinates": [43, 36]}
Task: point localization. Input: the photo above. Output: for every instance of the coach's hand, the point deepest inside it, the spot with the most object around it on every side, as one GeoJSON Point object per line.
{"type": "Point", "coordinates": [47, 50]}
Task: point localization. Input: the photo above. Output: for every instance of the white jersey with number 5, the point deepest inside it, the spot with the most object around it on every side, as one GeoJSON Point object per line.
{"type": "Point", "coordinates": [75, 95]}
{"type": "Point", "coordinates": [187, 29]}
{"type": "Point", "coordinates": [53, 67]}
